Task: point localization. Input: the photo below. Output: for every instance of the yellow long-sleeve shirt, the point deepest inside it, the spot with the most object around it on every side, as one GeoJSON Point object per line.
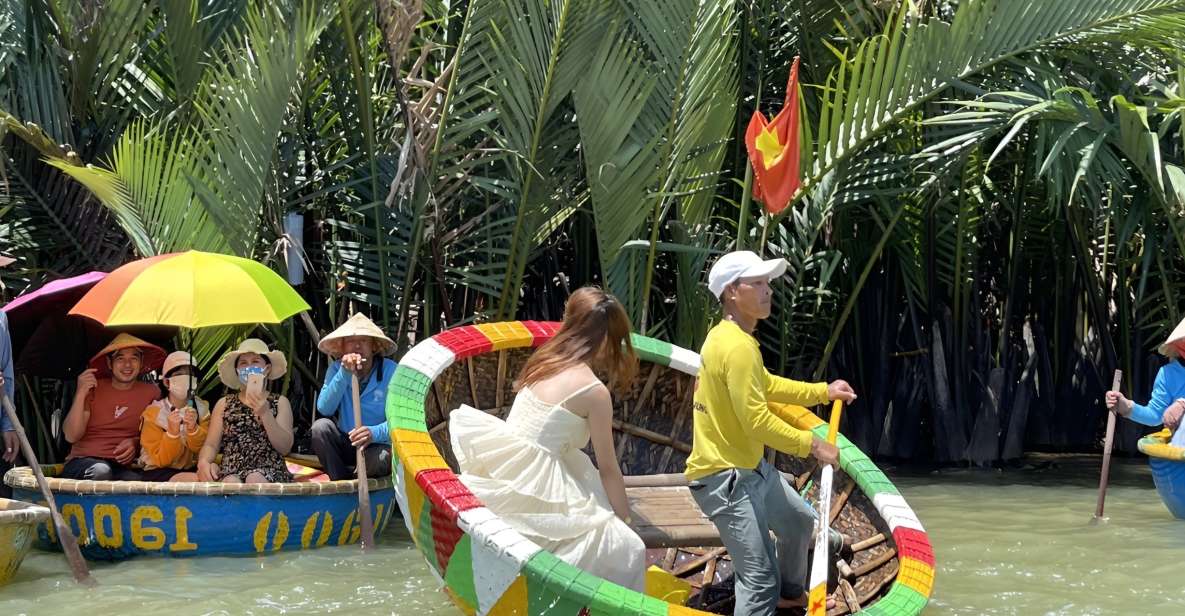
{"type": "Point", "coordinates": [733, 421]}
{"type": "Point", "coordinates": [159, 450]}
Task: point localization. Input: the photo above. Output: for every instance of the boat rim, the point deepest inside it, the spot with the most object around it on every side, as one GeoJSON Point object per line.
{"type": "Point", "coordinates": [22, 478]}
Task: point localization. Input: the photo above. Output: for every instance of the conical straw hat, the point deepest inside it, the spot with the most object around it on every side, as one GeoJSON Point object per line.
{"type": "Point", "coordinates": [1178, 335]}
{"type": "Point", "coordinates": [357, 325]}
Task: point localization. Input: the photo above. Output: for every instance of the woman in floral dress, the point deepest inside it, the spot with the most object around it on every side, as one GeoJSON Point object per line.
{"type": "Point", "coordinates": [253, 429]}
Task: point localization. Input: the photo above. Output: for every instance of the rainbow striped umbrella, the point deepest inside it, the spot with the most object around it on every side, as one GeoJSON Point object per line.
{"type": "Point", "coordinates": [191, 289]}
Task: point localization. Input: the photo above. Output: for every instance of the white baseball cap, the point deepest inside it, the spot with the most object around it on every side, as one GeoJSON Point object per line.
{"type": "Point", "coordinates": [742, 264]}
{"type": "Point", "coordinates": [177, 359]}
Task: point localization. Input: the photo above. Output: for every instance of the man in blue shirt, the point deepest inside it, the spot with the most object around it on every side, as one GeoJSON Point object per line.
{"type": "Point", "coordinates": [8, 438]}
{"type": "Point", "coordinates": [359, 346]}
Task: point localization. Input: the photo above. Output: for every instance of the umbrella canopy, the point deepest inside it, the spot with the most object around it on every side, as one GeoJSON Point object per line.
{"type": "Point", "coordinates": [47, 342]}
{"type": "Point", "coordinates": [191, 289]}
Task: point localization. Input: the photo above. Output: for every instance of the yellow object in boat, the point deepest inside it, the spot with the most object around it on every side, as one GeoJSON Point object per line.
{"type": "Point", "coordinates": [662, 585]}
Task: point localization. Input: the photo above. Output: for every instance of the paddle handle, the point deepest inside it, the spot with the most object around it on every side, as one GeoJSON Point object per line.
{"type": "Point", "coordinates": [833, 424]}
{"type": "Point", "coordinates": [1116, 382]}
{"type": "Point", "coordinates": [364, 519]}
{"type": "Point", "coordinates": [65, 536]}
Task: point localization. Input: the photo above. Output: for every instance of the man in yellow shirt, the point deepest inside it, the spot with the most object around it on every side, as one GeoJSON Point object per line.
{"type": "Point", "coordinates": [745, 496]}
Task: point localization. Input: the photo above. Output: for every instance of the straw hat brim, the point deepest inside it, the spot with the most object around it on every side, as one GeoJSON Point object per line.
{"type": "Point", "coordinates": [230, 377]}
{"type": "Point", "coordinates": [153, 356]}
{"type": "Point", "coordinates": [1167, 347]}
{"type": "Point", "coordinates": [357, 325]}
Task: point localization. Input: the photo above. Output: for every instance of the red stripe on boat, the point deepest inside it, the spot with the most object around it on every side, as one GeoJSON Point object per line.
{"type": "Point", "coordinates": [445, 535]}
{"type": "Point", "coordinates": [464, 341]}
{"type": "Point", "coordinates": [446, 492]}
{"type": "Point", "coordinates": [542, 331]}
{"type": "Point", "coordinates": [914, 544]}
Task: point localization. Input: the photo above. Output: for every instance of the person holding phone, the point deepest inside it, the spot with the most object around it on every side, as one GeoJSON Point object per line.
{"type": "Point", "coordinates": [174, 428]}
{"type": "Point", "coordinates": [252, 427]}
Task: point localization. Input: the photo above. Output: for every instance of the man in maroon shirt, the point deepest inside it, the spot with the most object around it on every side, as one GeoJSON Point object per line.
{"type": "Point", "coordinates": [104, 421]}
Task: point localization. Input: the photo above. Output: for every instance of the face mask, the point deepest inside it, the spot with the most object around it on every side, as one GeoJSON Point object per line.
{"type": "Point", "coordinates": [179, 385]}
{"type": "Point", "coordinates": [247, 371]}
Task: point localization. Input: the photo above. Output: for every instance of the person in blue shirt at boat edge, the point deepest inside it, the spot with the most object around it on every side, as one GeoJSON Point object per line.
{"type": "Point", "coordinates": [1167, 404]}
{"type": "Point", "coordinates": [8, 436]}
{"type": "Point", "coordinates": [358, 347]}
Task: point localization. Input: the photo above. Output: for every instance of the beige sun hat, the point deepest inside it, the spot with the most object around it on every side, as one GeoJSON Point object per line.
{"type": "Point", "coordinates": [1178, 335]}
{"type": "Point", "coordinates": [226, 366]}
{"type": "Point", "coordinates": [357, 325]}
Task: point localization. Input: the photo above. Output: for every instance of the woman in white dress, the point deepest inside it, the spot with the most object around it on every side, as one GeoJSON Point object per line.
{"type": "Point", "coordinates": [530, 469]}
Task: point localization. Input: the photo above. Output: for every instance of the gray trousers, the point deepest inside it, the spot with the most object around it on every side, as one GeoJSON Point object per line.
{"type": "Point", "coordinates": [746, 505]}
{"type": "Point", "coordinates": [339, 457]}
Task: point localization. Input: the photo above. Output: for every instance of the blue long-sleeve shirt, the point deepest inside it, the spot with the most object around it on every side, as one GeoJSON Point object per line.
{"type": "Point", "coordinates": [336, 398]}
{"type": "Point", "coordinates": [1169, 385]}
{"type": "Point", "coordinates": [6, 365]}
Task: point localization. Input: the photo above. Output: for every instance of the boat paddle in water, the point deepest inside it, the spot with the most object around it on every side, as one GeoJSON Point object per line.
{"type": "Point", "coordinates": [1116, 382]}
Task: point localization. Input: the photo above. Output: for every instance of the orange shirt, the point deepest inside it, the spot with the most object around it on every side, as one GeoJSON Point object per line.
{"type": "Point", "coordinates": [159, 450]}
{"type": "Point", "coordinates": [115, 416]}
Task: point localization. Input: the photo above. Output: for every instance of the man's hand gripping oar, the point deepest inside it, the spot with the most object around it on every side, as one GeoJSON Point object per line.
{"type": "Point", "coordinates": [817, 595]}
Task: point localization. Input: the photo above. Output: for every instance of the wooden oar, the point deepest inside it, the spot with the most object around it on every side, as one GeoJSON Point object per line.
{"type": "Point", "coordinates": [817, 600]}
{"type": "Point", "coordinates": [65, 536]}
{"type": "Point", "coordinates": [1107, 442]}
{"type": "Point", "coordinates": [364, 519]}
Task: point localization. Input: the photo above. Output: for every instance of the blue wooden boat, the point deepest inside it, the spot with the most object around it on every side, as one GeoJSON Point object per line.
{"type": "Point", "coordinates": [18, 522]}
{"type": "Point", "coordinates": [115, 520]}
{"type": "Point", "coordinates": [1168, 470]}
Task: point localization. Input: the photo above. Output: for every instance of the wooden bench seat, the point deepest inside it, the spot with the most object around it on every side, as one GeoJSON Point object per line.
{"type": "Point", "coordinates": [664, 514]}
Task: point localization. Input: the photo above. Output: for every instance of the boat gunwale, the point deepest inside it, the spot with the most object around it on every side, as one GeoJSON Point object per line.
{"type": "Point", "coordinates": [1156, 445]}
{"type": "Point", "coordinates": [24, 512]}
{"type": "Point", "coordinates": [22, 478]}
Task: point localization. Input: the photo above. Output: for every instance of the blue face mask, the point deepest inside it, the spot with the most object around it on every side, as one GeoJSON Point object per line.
{"type": "Point", "coordinates": [247, 371]}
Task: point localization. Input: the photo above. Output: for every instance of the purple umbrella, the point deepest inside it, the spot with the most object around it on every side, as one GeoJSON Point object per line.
{"type": "Point", "coordinates": [48, 342]}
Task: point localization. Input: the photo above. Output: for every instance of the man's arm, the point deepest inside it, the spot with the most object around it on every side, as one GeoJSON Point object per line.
{"type": "Point", "coordinates": [337, 381]}
{"type": "Point", "coordinates": [786, 391]}
{"type": "Point", "coordinates": [1151, 413]}
{"type": "Point", "coordinates": [746, 380]}
{"type": "Point", "coordinates": [6, 366]}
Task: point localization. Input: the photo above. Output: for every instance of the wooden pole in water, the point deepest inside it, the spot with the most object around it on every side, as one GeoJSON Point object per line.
{"type": "Point", "coordinates": [364, 519]}
{"type": "Point", "coordinates": [1107, 442]}
{"type": "Point", "coordinates": [65, 536]}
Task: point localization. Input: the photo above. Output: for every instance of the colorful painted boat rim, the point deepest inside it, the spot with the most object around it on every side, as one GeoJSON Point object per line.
{"type": "Point", "coordinates": [115, 520]}
{"type": "Point", "coordinates": [1156, 445]}
{"type": "Point", "coordinates": [18, 521]}
{"type": "Point", "coordinates": [489, 568]}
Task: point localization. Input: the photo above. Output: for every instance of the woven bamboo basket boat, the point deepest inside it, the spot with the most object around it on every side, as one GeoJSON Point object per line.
{"type": "Point", "coordinates": [18, 523]}
{"type": "Point", "coordinates": [1168, 470]}
{"type": "Point", "coordinates": [115, 520]}
{"type": "Point", "coordinates": [488, 568]}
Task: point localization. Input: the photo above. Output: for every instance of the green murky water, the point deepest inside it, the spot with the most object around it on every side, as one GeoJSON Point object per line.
{"type": "Point", "coordinates": [1015, 542]}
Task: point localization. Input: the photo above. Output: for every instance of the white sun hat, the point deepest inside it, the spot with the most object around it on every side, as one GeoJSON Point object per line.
{"type": "Point", "coordinates": [742, 264]}
{"type": "Point", "coordinates": [1168, 347]}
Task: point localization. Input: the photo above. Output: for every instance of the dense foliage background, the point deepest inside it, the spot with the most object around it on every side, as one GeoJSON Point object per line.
{"type": "Point", "coordinates": [991, 218]}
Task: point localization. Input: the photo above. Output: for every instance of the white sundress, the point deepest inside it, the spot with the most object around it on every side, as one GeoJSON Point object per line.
{"type": "Point", "coordinates": [530, 470]}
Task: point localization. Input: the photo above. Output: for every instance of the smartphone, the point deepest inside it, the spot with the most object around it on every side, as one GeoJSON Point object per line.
{"type": "Point", "coordinates": [255, 383]}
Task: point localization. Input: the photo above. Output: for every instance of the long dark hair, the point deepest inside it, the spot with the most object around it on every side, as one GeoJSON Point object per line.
{"type": "Point", "coordinates": [596, 331]}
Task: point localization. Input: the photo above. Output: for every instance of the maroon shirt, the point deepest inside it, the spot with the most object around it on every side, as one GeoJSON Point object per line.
{"type": "Point", "coordinates": [115, 416]}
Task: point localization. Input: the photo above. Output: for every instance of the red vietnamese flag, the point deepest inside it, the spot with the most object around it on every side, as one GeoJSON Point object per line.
{"type": "Point", "coordinates": [773, 151]}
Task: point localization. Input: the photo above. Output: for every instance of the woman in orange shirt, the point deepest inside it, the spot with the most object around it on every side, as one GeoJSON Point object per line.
{"type": "Point", "coordinates": [172, 430]}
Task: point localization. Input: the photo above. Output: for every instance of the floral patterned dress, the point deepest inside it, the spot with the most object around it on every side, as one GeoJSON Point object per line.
{"type": "Point", "coordinates": [245, 447]}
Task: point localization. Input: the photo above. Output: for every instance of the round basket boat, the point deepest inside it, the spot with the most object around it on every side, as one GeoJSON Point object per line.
{"type": "Point", "coordinates": [18, 523]}
{"type": "Point", "coordinates": [114, 520]}
{"type": "Point", "coordinates": [1168, 470]}
{"type": "Point", "coordinates": [489, 568]}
